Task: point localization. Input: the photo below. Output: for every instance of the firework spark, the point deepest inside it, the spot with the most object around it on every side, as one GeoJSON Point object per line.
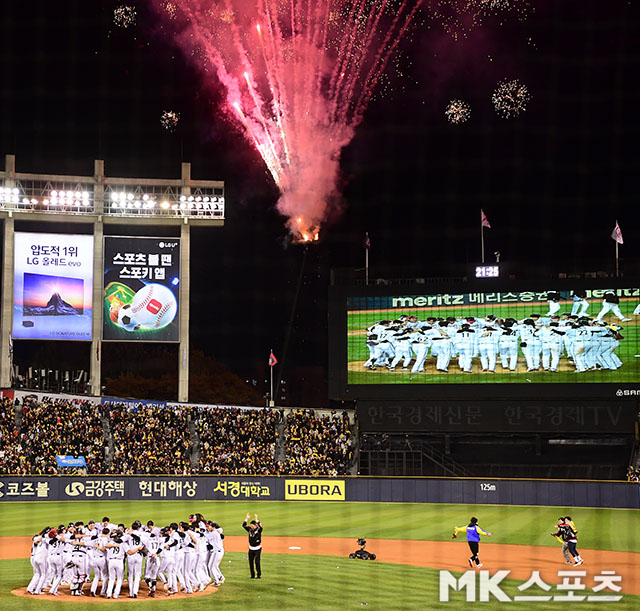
{"type": "Point", "coordinates": [457, 112]}
{"type": "Point", "coordinates": [169, 119]}
{"type": "Point", "coordinates": [510, 98]}
{"type": "Point", "coordinates": [124, 16]}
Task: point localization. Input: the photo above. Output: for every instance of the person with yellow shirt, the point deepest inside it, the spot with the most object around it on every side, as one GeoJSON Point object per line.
{"type": "Point", "coordinates": [565, 546]}
{"type": "Point", "coordinates": [473, 539]}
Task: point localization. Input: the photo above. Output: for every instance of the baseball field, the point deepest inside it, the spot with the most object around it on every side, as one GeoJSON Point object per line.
{"type": "Point", "coordinates": [305, 563]}
{"type": "Point", "coordinates": [358, 352]}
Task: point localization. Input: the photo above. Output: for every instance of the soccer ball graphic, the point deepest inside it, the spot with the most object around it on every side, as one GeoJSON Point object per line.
{"type": "Point", "coordinates": [154, 306]}
{"type": "Point", "coordinates": [126, 319]}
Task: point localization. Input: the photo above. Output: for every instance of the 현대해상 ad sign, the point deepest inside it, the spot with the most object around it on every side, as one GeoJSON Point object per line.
{"type": "Point", "coordinates": [52, 286]}
{"type": "Point", "coordinates": [141, 283]}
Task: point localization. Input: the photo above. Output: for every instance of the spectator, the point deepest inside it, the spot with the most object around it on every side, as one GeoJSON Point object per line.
{"type": "Point", "coordinates": [150, 440]}
{"type": "Point", "coordinates": [60, 428]}
{"type": "Point", "coordinates": [317, 445]}
{"type": "Point", "coordinates": [237, 441]}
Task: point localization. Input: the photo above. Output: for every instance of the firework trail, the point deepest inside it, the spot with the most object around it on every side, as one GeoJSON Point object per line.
{"type": "Point", "coordinates": [298, 76]}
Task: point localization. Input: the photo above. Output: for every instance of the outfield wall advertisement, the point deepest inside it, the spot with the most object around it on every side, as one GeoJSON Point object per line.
{"type": "Point", "coordinates": [355, 489]}
{"type": "Point", "coordinates": [52, 286]}
{"type": "Point", "coordinates": [141, 282]}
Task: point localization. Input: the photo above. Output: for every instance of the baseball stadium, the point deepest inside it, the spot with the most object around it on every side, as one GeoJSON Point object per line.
{"type": "Point", "coordinates": [319, 305]}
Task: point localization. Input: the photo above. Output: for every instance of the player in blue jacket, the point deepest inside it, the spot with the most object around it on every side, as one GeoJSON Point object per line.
{"type": "Point", "coordinates": [473, 539]}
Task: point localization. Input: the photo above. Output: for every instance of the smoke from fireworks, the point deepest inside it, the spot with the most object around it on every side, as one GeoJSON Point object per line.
{"type": "Point", "coordinates": [124, 16]}
{"type": "Point", "coordinates": [298, 77]}
{"type": "Point", "coordinates": [510, 98]}
{"type": "Point", "coordinates": [457, 112]}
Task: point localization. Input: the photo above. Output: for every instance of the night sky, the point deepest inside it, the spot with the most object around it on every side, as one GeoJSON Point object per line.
{"type": "Point", "coordinates": [552, 181]}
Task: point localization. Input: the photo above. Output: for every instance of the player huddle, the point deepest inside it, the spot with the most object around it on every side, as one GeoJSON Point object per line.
{"type": "Point", "coordinates": [183, 556]}
{"type": "Point", "coordinates": [588, 344]}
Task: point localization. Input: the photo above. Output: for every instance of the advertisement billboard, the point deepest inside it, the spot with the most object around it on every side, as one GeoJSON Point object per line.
{"type": "Point", "coordinates": [493, 337]}
{"type": "Point", "coordinates": [141, 282]}
{"type": "Point", "coordinates": [52, 286]}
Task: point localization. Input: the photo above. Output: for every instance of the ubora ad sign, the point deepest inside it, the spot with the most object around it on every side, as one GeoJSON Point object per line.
{"type": "Point", "coordinates": [314, 490]}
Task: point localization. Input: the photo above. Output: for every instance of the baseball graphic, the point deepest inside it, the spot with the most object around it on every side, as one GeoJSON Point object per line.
{"type": "Point", "coordinates": [154, 306]}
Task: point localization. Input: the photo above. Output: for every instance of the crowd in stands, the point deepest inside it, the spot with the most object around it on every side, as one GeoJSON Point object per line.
{"type": "Point", "coordinates": [236, 441]}
{"type": "Point", "coordinates": [317, 445]}
{"type": "Point", "coordinates": [165, 440]}
{"type": "Point", "coordinates": [57, 428]}
{"type": "Point", "coordinates": [150, 440]}
{"type": "Point", "coordinates": [633, 473]}
{"type": "Point", "coordinates": [11, 457]}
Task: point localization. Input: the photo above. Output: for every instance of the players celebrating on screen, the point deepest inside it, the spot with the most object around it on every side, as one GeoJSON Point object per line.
{"type": "Point", "coordinates": [564, 341]}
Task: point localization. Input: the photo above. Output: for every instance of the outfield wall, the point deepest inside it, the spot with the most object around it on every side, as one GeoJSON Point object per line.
{"type": "Point", "coordinates": [559, 493]}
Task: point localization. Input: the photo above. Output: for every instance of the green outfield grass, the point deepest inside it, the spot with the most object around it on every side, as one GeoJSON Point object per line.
{"type": "Point", "coordinates": [358, 352]}
{"type": "Point", "coordinates": [323, 582]}
{"type": "Point", "coordinates": [612, 529]}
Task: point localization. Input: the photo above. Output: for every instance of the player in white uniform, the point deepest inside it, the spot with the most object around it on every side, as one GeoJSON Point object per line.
{"type": "Point", "coordinates": [611, 303]}
{"type": "Point", "coordinates": [152, 542]}
{"type": "Point", "coordinates": [401, 341]}
{"type": "Point", "coordinates": [55, 545]}
{"type": "Point", "coordinates": [133, 541]}
{"type": "Point", "coordinates": [420, 342]}
{"type": "Point", "coordinates": [610, 342]}
{"type": "Point", "coordinates": [580, 303]}
{"type": "Point", "coordinates": [100, 564]}
{"type": "Point", "coordinates": [168, 563]}
{"type": "Point", "coordinates": [553, 298]}
{"type": "Point", "coordinates": [465, 343]}
{"type": "Point", "coordinates": [508, 345]}
{"type": "Point", "coordinates": [79, 558]}
{"type": "Point", "coordinates": [552, 345]}
{"type": "Point", "coordinates": [442, 345]}
{"type": "Point", "coordinates": [488, 347]}
{"type": "Point", "coordinates": [116, 549]}
{"type": "Point", "coordinates": [373, 336]}
{"type": "Point", "coordinates": [530, 344]}
{"type": "Point", "coordinates": [38, 562]}
{"type": "Point", "coordinates": [216, 552]}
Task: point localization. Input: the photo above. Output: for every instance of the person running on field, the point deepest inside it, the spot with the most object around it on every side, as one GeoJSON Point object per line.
{"type": "Point", "coordinates": [565, 546]}
{"type": "Point", "coordinates": [473, 539]}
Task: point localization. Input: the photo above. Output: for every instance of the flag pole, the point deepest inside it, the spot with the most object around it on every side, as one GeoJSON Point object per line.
{"type": "Point", "coordinates": [617, 274]}
{"type": "Point", "coordinates": [366, 266]}
{"type": "Point", "coordinates": [271, 400]}
{"type": "Point", "coordinates": [482, 238]}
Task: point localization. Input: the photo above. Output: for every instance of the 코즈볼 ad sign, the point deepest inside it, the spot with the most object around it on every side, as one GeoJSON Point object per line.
{"type": "Point", "coordinates": [52, 286]}
{"type": "Point", "coordinates": [553, 336]}
{"type": "Point", "coordinates": [141, 289]}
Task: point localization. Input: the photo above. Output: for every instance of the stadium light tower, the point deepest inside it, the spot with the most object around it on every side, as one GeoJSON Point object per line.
{"type": "Point", "coordinates": [101, 201]}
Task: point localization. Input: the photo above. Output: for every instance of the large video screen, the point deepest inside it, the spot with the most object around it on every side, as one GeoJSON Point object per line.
{"type": "Point", "coordinates": [52, 286]}
{"type": "Point", "coordinates": [141, 284]}
{"type": "Point", "coordinates": [495, 337]}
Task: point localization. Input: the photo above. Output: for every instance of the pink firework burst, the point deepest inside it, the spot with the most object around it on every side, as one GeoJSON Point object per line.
{"type": "Point", "coordinates": [298, 75]}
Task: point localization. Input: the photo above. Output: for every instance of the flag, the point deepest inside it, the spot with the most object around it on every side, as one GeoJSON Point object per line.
{"type": "Point", "coordinates": [617, 234]}
{"type": "Point", "coordinates": [484, 219]}
{"type": "Point", "coordinates": [272, 359]}
{"type": "Point", "coordinates": [10, 346]}
{"type": "Point", "coordinates": [367, 241]}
